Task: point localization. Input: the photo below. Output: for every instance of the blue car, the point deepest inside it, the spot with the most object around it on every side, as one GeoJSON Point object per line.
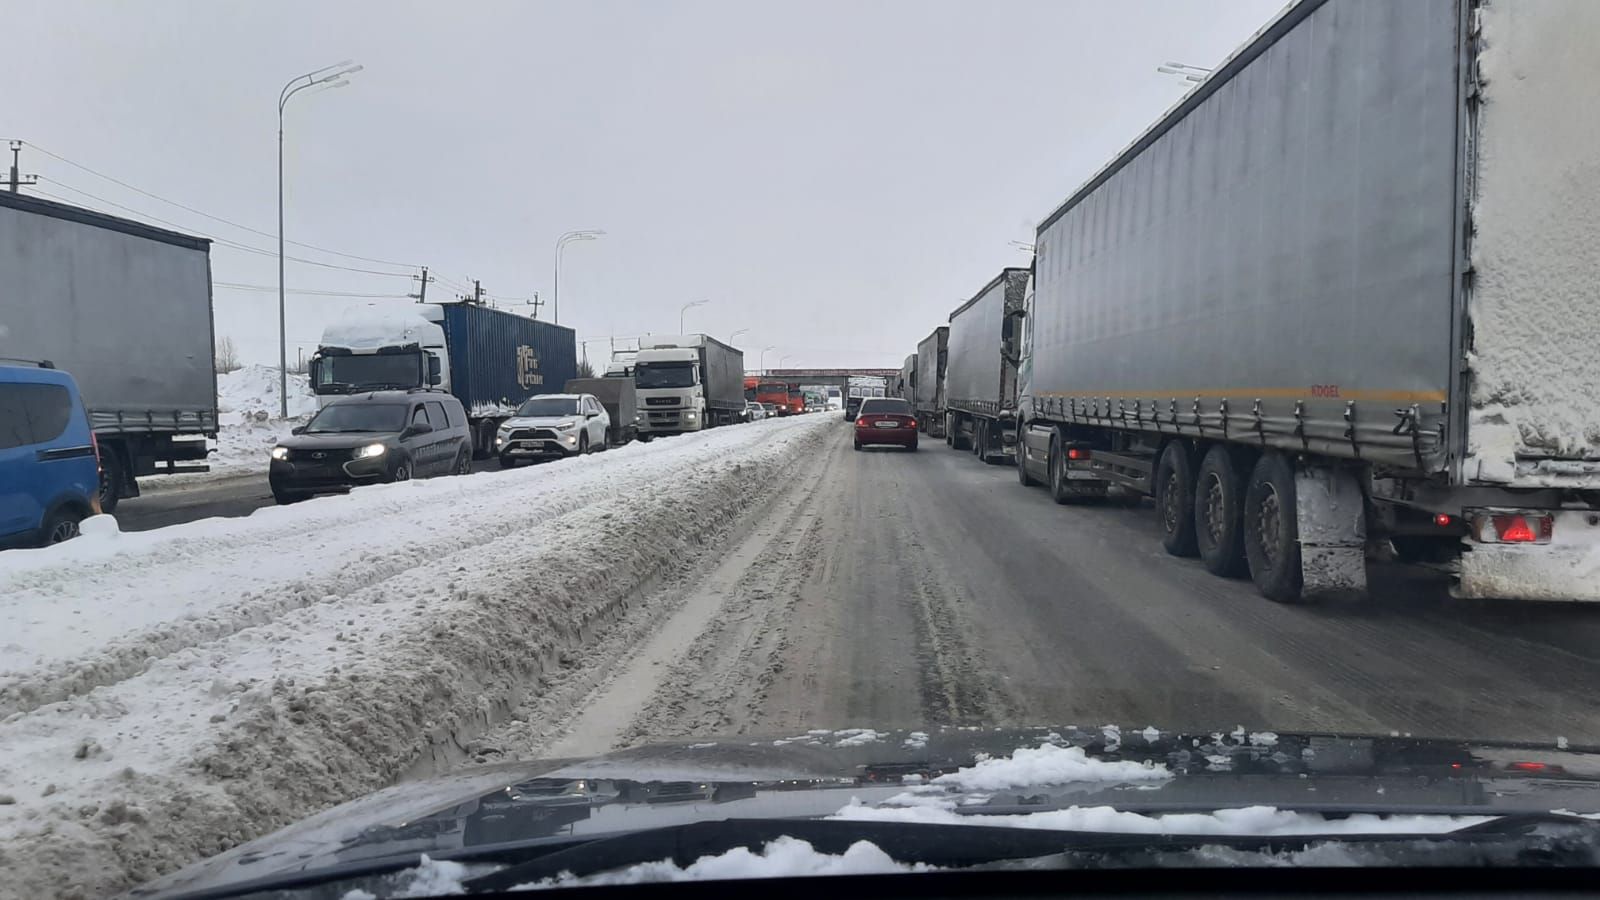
{"type": "Point", "coordinates": [49, 472]}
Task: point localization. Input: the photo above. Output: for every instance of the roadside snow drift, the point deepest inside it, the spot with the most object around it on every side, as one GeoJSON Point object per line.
{"type": "Point", "coordinates": [168, 694]}
{"type": "Point", "coordinates": [248, 425]}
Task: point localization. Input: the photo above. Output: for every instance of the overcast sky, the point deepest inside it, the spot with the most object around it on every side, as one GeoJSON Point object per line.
{"type": "Point", "coordinates": [833, 176]}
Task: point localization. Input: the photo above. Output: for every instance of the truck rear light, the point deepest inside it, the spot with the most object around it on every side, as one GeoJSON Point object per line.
{"type": "Point", "coordinates": [1077, 453]}
{"type": "Point", "coordinates": [1513, 527]}
{"type": "Point", "coordinates": [1443, 520]}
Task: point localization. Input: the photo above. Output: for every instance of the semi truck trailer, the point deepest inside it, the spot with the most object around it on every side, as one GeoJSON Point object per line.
{"type": "Point", "coordinates": [687, 383]}
{"type": "Point", "coordinates": [126, 309]}
{"type": "Point", "coordinates": [980, 379]}
{"type": "Point", "coordinates": [1342, 300]}
{"type": "Point", "coordinates": [928, 385]}
{"type": "Point", "coordinates": [490, 359]}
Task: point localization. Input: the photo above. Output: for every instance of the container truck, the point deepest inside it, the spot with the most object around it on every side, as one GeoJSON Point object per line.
{"type": "Point", "coordinates": [928, 383]}
{"type": "Point", "coordinates": [616, 395]}
{"type": "Point", "coordinates": [687, 383]}
{"type": "Point", "coordinates": [980, 379]}
{"type": "Point", "coordinates": [126, 309]}
{"type": "Point", "coordinates": [490, 359]}
{"type": "Point", "coordinates": [1342, 299]}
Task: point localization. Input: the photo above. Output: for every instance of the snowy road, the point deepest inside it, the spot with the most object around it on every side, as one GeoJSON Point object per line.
{"type": "Point", "coordinates": [898, 589]}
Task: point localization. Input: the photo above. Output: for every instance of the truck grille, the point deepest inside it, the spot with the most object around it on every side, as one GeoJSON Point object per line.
{"type": "Point", "coordinates": [661, 401]}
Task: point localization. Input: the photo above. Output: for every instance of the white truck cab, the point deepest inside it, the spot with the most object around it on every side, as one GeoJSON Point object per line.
{"type": "Point", "coordinates": [670, 391]}
{"type": "Point", "coordinates": [373, 347]}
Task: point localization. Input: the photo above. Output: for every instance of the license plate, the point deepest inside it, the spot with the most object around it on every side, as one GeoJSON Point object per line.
{"type": "Point", "coordinates": [532, 445]}
{"type": "Point", "coordinates": [886, 424]}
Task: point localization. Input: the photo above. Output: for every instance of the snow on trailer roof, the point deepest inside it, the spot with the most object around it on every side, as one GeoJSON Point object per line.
{"type": "Point", "coordinates": [375, 324]}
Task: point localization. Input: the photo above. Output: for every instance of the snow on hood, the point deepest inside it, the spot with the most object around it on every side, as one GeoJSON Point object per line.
{"type": "Point", "coordinates": [785, 857]}
{"type": "Point", "coordinates": [1045, 765]}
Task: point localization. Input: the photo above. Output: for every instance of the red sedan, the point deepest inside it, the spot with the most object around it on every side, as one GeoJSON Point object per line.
{"type": "Point", "coordinates": [886, 420]}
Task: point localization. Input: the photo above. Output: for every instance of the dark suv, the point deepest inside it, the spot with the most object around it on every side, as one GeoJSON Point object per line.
{"type": "Point", "coordinates": [372, 438]}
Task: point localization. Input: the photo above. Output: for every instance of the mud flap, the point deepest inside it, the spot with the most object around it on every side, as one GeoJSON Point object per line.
{"type": "Point", "coordinates": [1332, 518]}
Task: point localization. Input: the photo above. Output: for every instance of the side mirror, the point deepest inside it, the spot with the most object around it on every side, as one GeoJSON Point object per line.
{"type": "Point", "coordinates": [590, 415]}
{"type": "Point", "coordinates": [315, 370]}
{"type": "Point", "coordinates": [433, 370]}
{"type": "Point", "coordinates": [298, 429]}
{"type": "Point", "coordinates": [418, 428]}
{"type": "Point", "coordinates": [1008, 328]}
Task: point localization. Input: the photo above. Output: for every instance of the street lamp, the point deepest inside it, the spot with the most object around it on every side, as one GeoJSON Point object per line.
{"type": "Point", "coordinates": [584, 234]}
{"type": "Point", "coordinates": [330, 77]}
{"type": "Point", "coordinates": [763, 358]}
{"type": "Point", "coordinates": [735, 336]}
{"type": "Point", "coordinates": [782, 358]}
{"type": "Point", "coordinates": [1195, 74]}
{"type": "Point", "coordinates": [686, 307]}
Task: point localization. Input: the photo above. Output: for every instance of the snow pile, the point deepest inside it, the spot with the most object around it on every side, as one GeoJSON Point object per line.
{"type": "Point", "coordinates": [168, 694]}
{"type": "Point", "coordinates": [1535, 254]}
{"type": "Point", "coordinates": [785, 857]}
{"type": "Point", "coordinates": [1250, 820]}
{"type": "Point", "coordinates": [1047, 764]}
{"type": "Point", "coordinates": [248, 425]}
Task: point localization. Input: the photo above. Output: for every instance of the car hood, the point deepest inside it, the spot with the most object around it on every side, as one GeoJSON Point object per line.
{"type": "Point", "coordinates": [820, 772]}
{"type": "Point", "coordinates": [335, 441]}
{"type": "Point", "coordinates": [540, 421]}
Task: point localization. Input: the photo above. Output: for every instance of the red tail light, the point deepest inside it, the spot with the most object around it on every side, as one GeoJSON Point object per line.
{"type": "Point", "coordinates": [1077, 453]}
{"type": "Point", "coordinates": [911, 423]}
{"type": "Point", "coordinates": [1492, 527]}
{"type": "Point", "coordinates": [1514, 530]}
{"type": "Point", "coordinates": [1442, 520]}
{"type": "Point", "coordinates": [1528, 766]}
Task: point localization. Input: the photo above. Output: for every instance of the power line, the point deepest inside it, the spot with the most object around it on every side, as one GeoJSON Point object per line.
{"type": "Point", "coordinates": [273, 289]}
{"type": "Point", "coordinates": [223, 241]}
{"type": "Point", "coordinates": [215, 218]}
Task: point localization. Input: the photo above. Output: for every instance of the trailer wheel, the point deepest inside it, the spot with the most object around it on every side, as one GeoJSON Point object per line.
{"type": "Point", "coordinates": [483, 440]}
{"type": "Point", "coordinates": [1022, 461]}
{"type": "Point", "coordinates": [1271, 532]}
{"type": "Point", "coordinates": [958, 440]}
{"type": "Point", "coordinates": [1174, 496]}
{"type": "Point", "coordinates": [1218, 519]}
{"type": "Point", "coordinates": [980, 438]}
{"type": "Point", "coordinates": [112, 476]}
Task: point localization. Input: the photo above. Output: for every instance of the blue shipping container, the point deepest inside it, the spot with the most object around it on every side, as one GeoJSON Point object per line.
{"type": "Point", "coordinates": [499, 359]}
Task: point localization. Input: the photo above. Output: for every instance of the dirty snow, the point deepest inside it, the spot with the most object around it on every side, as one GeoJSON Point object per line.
{"type": "Point", "coordinates": [1535, 311]}
{"type": "Point", "coordinates": [168, 694]}
{"type": "Point", "coordinates": [1047, 764]}
{"type": "Point", "coordinates": [786, 857]}
{"type": "Point", "coordinates": [1250, 820]}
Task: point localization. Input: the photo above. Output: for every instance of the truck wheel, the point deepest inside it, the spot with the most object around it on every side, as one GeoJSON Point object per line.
{"type": "Point", "coordinates": [1271, 532]}
{"type": "Point", "coordinates": [112, 475]}
{"type": "Point", "coordinates": [1174, 496]}
{"type": "Point", "coordinates": [1022, 463]}
{"type": "Point", "coordinates": [61, 525]}
{"type": "Point", "coordinates": [483, 439]}
{"type": "Point", "coordinates": [958, 440]}
{"type": "Point", "coordinates": [1218, 519]}
{"type": "Point", "coordinates": [980, 438]}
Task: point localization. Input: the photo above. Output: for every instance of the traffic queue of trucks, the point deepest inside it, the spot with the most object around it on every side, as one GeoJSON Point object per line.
{"type": "Point", "coordinates": [1338, 303]}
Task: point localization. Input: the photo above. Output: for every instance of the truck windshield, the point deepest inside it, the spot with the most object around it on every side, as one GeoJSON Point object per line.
{"type": "Point", "coordinates": [358, 417]}
{"type": "Point", "coordinates": [401, 370]}
{"type": "Point", "coordinates": [548, 406]}
{"type": "Point", "coordinates": [664, 375]}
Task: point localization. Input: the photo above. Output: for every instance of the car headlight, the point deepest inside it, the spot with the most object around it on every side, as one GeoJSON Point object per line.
{"type": "Point", "coordinates": [280, 452]}
{"type": "Point", "coordinates": [565, 425]}
{"type": "Point", "coordinates": [370, 451]}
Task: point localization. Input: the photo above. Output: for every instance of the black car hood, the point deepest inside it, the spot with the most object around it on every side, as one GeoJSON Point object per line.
{"type": "Point", "coordinates": [820, 772]}
{"type": "Point", "coordinates": [336, 440]}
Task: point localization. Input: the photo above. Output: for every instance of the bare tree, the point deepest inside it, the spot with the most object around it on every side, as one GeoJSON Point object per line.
{"type": "Point", "coordinates": [227, 356]}
{"type": "Point", "coordinates": [585, 370]}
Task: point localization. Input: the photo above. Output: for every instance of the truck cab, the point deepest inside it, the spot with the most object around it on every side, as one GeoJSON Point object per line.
{"type": "Point", "coordinates": [377, 349]}
{"type": "Point", "coordinates": [670, 390]}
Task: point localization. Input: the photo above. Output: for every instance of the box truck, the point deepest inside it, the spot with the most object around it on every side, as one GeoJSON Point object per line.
{"type": "Point", "coordinates": [1342, 299]}
{"type": "Point", "coordinates": [126, 309]}
{"type": "Point", "coordinates": [980, 378]}
{"type": "Point", "coordinates": [490, 359]}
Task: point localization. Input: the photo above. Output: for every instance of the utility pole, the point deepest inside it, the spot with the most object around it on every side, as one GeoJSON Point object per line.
{"type": "Point", "coordinates": [536, 303]}
{"type": "Point", "coordinates": [477, 292]}
{"type": "Point", "coordinates": [422, 292]}
{"type": "Point", "coordinates": [16, 179]}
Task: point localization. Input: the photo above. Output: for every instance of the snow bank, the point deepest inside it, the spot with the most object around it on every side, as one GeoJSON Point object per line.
{"type": "Point", "coordinates": [1047, 764]}
{"type": "Point", "coordinates": [1535, 254]}
{"type": "Point", "coordinates": [785, 857]}
{"type": "Point", "coordinates": [169, 694]}
{"type": "Point", "coordinates": [248, 425]}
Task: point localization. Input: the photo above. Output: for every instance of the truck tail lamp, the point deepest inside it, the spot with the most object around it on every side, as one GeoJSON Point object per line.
{"type": "Point", "coordinates": [1077, 453]}
{"type": "Point", "coordinates": [1494, 527]}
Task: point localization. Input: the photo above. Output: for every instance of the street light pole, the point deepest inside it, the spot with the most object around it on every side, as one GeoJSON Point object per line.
{"type": "Point", "coordinates": [785, 357]}
{"type": "Point", "coordinates": [686, 307]}
{"type": "Point", "coordinates": [333, 77]}
{"type": "Point", "coordinates": [582, 234]}
{"type": "Point", "coordinates": [763, 365]}
{"type": "Point", "coordinates": [735, 336]}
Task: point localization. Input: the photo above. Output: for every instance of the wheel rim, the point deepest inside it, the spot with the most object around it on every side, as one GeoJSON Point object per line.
{"type": "Point", "coordinates": [463, 466]}
{"type": "Point", "coordinates": [1270, 528]}
{"type": "Point", "coordinates": [63, 531]}
{"type": "Point", "coordinates": [402, 472]}
{"type": "Point", "coordinates": [1213, 508]}
{"type": "Point", "coordinates": [1169, 502]}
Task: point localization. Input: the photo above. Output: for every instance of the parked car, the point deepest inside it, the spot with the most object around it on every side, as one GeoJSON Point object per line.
{"type": "Point", "coordinates": [886, 420]}
{"type": "Point", "coordinates": [771, 408]}
{"type": "Point", "coordinates": [754, 412]}
{"type": "Point", "coordinates": [49, 476]}
{"type": "Point", "coordinates": [372, 438]}
{"type": "Point", "coordinates": [554, 425]}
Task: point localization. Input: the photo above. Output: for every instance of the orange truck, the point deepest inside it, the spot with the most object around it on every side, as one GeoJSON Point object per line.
{"type": "Point", "coordinates": [774, 392]}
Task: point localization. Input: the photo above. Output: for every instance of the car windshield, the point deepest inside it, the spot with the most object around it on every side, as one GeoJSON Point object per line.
{"type": "Point", "coordinates": [664, 375]}
{"type": "Point", "coordinates": [397, 370]}
{"type": "Point", "coordinates": [1022, 422]}
{"type": "Point", "coordinates": [354, 417]}
{"type": "Point", "coordinates": [548, 406]}
{"type": "Point", "coordinates": [885, 407]}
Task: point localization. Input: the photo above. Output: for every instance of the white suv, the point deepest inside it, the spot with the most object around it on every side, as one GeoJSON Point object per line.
{"type": "Point", "coordinates": [552, 425]}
